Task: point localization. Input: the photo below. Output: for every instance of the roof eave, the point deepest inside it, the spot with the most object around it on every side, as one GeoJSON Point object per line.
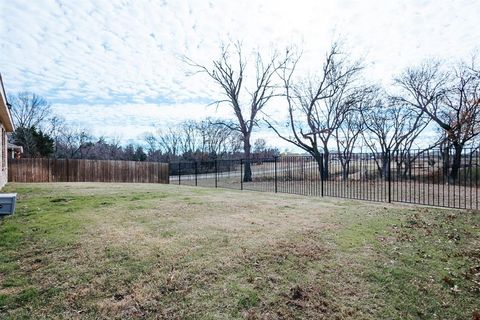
{"type": "Point", "coordinates": [5, 114]}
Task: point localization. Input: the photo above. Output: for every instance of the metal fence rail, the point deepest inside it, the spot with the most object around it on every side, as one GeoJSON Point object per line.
{"type": "Point", "coordinates": [421, 176]}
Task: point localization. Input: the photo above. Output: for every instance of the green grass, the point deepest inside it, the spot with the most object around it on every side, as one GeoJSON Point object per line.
{"type": "Point", "coordinates": [121, 251]}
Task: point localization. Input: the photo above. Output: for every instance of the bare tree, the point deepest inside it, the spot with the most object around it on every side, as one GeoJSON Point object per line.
{"type": "Point", "coordinates": [29, 109]}
{"type": "Point", "coordinates": [391, 129]}
{"type": "Point", "coordinates": [56, 126]}
{"type": "Point", "coordinates": [451, 100]}
{"type": "Point", "coordinates": [228, 72]}
{"type": "Point", "coordinates": [115, 147]}
{"type": "Point", "coordinates": [74, 144]}
{"type": "Point", "coordinates": [192, 140]}
{"type": "Point", "coordinates": [215, 137]}
{"type": "Point", "coordinates": [190, 136]}
{"type": "Point", "coordinates": [152, 143]}
{"type": "Point", "coordinates": [346, 136]}
{"type": "Point", "coordinates": [259, 145]}
{"type": "Point", "coordinates": [170, 141]}
{"type": "Point", "coordinates": [318, 106]}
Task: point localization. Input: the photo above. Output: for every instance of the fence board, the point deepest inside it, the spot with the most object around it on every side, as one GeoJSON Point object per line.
{"type": "Point", "coordinates": [79, 170]}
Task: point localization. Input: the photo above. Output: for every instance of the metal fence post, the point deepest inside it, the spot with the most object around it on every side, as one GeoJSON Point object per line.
{"type": "Point", "coordinates": [196, 173]}
{"type": "Point", "coordinates": [389, 176]}
{"type": "Point", "coordinates": [275, 168]}
{"type": "Point", "coordinates": [241, 174]}
{"type": "Point", "coordinates": [321, 174]}
{"type": "Point", "coordinates": [216, 173]}
{"type": "Point", "coordinates": [179, 168]}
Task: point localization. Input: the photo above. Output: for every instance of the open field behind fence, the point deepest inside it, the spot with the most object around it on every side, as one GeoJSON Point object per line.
{"type": "Point", "coordinates": [422, 181]}
{"type": "Point", "coordinates": [76, 170]}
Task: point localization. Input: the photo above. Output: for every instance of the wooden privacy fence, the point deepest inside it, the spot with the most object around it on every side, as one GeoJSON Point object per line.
{"type": "Point", "coordinates": [80, 170]}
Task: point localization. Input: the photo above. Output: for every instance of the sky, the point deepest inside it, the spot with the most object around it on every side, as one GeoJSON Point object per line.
{"type": "Point", "coordinates": [116, 68]}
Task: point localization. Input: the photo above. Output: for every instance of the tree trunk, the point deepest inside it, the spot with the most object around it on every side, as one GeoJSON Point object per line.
{"type": "Point", "coordinates": [385, 162]}
{"type": "Point", "coordinates": [401, 162]}
{"type": "Point", "coordinates": [446, 162]}
{"type": "Point", "coordinates": [326, 160]}
{"type": "Point", "coordinates": [346, 169]}
{"type": "Point", "coordinates": [318, 158]}
{"type": "Point", "coordinates": [407, 170]}
{"type": "Point", "coordinates": [399, 165]}
{"type": "Point", "coordinates": [457, 160]}
{"type": "Point", "coordinates": [247, 174]}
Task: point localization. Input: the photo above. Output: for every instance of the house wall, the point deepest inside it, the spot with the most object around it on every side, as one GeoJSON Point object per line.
{"type": "Point", "coordinates": [3, 156]}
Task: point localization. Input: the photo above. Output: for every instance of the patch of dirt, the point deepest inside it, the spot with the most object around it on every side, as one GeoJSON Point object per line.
{"type": "Point", "coordinates": [55, 200]}
{"type": "Point", "coordinates": [307, 248]}
{"type": "Point", "coordinates": [10, 291]}
{"type": "Point", "coordinates": [120, 307]}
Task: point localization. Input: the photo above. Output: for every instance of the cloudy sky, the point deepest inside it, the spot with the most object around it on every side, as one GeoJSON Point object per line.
{"type": "Point", "coordinates": [115, 67]}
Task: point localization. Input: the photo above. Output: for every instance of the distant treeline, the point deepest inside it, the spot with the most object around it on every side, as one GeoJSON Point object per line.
{"type": "Point", "coordinates": [42, 136]}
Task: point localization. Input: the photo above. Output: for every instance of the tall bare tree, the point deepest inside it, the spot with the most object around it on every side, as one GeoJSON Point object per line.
{"type": "Point", "coordinates": [192, 140]}
{"type": "Point", "coordinates": [318, 105]}
{"type": "Point", "coordinates": [55, 128]}
{"type": "Point", "coordinates": [346, 136]}
{"type": "Point", "coordinates": [190, 136]}
{"type": "Point", "coordinates": [228, 72]}
{"type": "Point", "coordinates": [170, 141]}
{"type": "Point", "coordinates": [151, 142]}
{"type": "Point", "coordinates": [216, 138]}
{"type": "Point", "coordinates": [74, 143]}
{"type": "Point", "coordinates": [30, 112]}
{"type": "Point", "coordinates": [391, 129]}
{"type": "Point", "coordinates": [29, 109]}
{"type": "Point", "coordinates": [449, 99]}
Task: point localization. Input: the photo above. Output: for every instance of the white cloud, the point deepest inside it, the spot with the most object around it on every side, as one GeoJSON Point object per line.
{"type": "Point", "coordinates": [133, 120]}
{"type": "Point", "coordinates": [118, 56]}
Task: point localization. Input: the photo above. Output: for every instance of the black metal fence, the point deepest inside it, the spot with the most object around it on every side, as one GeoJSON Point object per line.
{"type": "Point", "coordinates": [432, 177]}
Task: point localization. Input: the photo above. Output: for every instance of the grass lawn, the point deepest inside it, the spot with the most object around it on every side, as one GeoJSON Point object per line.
{"type": "Point", "coordinates": [92, 250]}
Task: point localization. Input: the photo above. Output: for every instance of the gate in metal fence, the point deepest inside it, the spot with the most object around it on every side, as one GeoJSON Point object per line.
{"type": "Point", "coordinates": [432, 177]}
